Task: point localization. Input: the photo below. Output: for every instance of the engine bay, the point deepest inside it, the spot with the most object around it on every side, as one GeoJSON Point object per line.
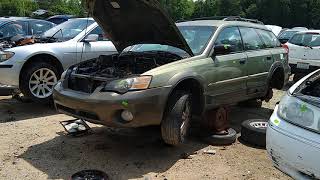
{"type": "Point", "coordinates": [15, 41]}
{"type": "Point", "coordinates": [87, 76]}
{"type": "Point", "coordinates": [125, 65]}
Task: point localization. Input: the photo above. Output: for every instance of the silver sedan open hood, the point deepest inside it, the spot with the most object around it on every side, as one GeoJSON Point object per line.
{"type": "Point", "coordinates": [131, 22]}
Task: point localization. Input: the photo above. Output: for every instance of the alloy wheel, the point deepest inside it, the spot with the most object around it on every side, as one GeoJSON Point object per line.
{"type": "Point", "coordinates": [41, 83]}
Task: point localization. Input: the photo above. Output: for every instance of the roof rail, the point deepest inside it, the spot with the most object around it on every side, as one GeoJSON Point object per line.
{"type": "Point", "coordinates": [225, 18]}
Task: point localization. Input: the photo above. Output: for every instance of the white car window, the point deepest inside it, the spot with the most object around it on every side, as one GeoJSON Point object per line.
{"type": "Point", "coordinates": [306, 39]}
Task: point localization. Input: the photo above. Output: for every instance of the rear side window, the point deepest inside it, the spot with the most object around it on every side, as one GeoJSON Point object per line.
{"type": "Point", "coordinates": [230, 36]}
{"type": "Point", "coordinates": [306, 39]}
{"type": "Point", "coordinates": [251, 39]}
{"type": "Point", "coordinates": [268, 38]}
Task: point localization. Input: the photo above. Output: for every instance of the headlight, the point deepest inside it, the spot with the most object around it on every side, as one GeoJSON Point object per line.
{"type": "Point", "coordinates": [124, 85]}
{"type": "Point", "coordinates": [299, 112]}
{"type": "Point", "coordinates": [5, 55]}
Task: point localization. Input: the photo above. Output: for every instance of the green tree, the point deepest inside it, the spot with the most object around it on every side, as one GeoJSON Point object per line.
{"type": "Point", "coordinates": [17, 7]}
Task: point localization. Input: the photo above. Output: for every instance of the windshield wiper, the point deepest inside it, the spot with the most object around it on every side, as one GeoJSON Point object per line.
{"type": "Point", "coordinates": [52, 37]}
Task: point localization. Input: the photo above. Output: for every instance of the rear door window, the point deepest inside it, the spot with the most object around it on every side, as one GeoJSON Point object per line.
{"type": "Point", "coordinates": [251, 39]}
{"type": "Point", "coordinates": [268, 38]}
{"type": "Point", "coordinates": [230, 36]}
{"type": "Point", "coordinates": [306, 39]}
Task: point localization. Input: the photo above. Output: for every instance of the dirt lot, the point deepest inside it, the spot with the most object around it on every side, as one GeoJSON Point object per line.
{"type": "Point", "coordinates": [34, 146]}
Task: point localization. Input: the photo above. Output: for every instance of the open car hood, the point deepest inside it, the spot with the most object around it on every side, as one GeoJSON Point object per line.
{"type": "Point", "coordinates": [131, 22]}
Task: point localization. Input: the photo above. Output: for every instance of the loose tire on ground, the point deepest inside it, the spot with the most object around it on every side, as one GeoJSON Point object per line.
{"type": "Point", "coordinates": [222, 140]}
{"type": "Point", "coordinates": [27, 77]}
{"type": "Point", "coordinates": [176, 122]}
{"type": "Point", "coordinates": [254, 132]}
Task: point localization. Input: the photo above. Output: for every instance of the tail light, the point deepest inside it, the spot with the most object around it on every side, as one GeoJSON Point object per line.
{"type": "Point", "coordinates": [286, 47]}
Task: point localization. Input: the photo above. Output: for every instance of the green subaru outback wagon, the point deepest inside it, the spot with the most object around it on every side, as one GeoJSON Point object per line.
{"type": "Point", "coordinates": [165, 73]}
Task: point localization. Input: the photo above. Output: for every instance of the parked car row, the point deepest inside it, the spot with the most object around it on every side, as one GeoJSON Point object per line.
{"type": "Point", "coordinates": [137, 70]}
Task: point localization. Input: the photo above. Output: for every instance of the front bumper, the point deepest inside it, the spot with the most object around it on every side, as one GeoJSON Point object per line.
{"type": "Point", "coordinates": [9, 73]}
{"type": "Point", "coordinates": [105, 108]}
{"type": "Point", "coordinates": [293, 150]}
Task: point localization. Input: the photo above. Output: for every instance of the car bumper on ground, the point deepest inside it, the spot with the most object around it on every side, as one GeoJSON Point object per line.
{"type": "Point", "coordinates": [147, 106]}
{"type": "Point", "coordinates": [293, 150]}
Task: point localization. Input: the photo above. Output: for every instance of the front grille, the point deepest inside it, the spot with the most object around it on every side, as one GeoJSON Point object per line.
{"type": "Point", "coordinates": [84, 114]}
{"type": "Point", "coordinates": [81, 84]}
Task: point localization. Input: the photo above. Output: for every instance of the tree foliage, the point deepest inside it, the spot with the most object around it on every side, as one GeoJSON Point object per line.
{"type": "Point", "coordinates": [286, 13]}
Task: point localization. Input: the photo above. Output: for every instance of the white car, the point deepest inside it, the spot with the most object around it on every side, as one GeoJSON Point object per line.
{"type": "Point", "coordinates": [36, 68]}
{"type": "Point", "coordinates": [275, 29]}
{"type": "Point", "coordinates": [293, 134]}
{"type": "Point", "coordinates": [304, 53]}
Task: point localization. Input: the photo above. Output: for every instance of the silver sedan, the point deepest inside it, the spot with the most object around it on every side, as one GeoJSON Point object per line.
{"type": "Point", "coordinates": [36, 68]}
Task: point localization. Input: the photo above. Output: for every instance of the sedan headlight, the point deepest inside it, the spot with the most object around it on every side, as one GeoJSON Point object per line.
{"type": "Point", "coordinates": [5, 55]}
{"type": "Point", "coordinates": [299, 112]}
{"type": "Point", "coordinates": [124, 85]}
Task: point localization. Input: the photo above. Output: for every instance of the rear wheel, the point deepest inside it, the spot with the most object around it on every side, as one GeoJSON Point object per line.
{"type": "Point", "coordinates": [38, 80]}
{"type": "Point", "coordinates": [176, 123]}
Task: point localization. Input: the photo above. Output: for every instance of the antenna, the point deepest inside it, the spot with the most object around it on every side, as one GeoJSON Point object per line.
{"type": "Point", "coordinates": [85, 34]}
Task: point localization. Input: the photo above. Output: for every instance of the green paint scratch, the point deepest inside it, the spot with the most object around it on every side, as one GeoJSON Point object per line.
{"type": "Point", "coordinates": [276, 122]}
{"type": "Point", "coordinates": [125, 103]}
{"type": "Point", "coordinates": [303, 108]}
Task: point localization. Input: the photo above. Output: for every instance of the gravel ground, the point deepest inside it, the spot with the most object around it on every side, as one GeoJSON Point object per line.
{"type": "Point", "coordinates": [35, 146]}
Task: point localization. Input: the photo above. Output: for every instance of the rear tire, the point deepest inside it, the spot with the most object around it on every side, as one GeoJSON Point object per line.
{"type": "Point", "coordinates": [37, 81]}
{"type": "Point", "coordinates": [176, 122]}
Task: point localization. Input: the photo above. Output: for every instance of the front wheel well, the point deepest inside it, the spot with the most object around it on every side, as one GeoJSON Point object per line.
{"type": "Point", "coordinates": [277, 78]}
{"type": "Point", "coordinates": [41, 58]}
{"type": "Point", "coordinates": [195, 88]}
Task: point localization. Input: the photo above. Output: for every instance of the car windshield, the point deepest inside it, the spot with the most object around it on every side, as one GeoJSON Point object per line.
{"type": "Point", "coordinates": [306, 39]}
{"type": "Point", "coordinates": [197, 38]}
{"type": "Point", "coordinates": [67, 30]}
{"type": "Point", "coordinates": [11, 29]}
{"type": "Point", "coordinates": [287, 34]}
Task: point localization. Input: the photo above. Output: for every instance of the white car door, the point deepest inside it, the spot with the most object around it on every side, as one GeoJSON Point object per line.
{"type": "Point", "coordinates": [90, 50]}
{"type": "Point", "coordinates": [297, 49]}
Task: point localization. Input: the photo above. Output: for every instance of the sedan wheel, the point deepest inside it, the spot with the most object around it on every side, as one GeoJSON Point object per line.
{"type": "Point", "coordinates": [41, 83]}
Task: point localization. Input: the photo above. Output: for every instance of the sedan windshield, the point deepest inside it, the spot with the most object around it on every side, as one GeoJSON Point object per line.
{"type": "Point", "coordinates": [197, 38]}
{"type": "Point", "coordinates": [67, 30]}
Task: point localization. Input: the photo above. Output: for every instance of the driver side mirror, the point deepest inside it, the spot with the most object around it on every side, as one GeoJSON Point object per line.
{"type": "Point", "coordinates": [222, 49]}
{"type": "Point", "coordinates": [91, 38]}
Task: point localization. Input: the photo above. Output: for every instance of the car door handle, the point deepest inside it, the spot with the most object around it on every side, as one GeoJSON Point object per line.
{"type": "Point", "coordinates": [269, 58]}
{"type": "Point", "coordinates": [242, 61]}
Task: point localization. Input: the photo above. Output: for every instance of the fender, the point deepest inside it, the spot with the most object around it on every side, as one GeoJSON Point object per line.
{"type": "Point", "coordinates": [276, 65]}
{"type": "Point", "coordinates": [179, 77]}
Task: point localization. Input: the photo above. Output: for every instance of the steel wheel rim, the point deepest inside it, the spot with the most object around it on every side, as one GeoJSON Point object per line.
{"type": "Point", "coordinates": [186, 116]}
{"type": "Point", "coordinates": [41, 83]}
{"type": "Point", "coordinates": [260, 125]}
